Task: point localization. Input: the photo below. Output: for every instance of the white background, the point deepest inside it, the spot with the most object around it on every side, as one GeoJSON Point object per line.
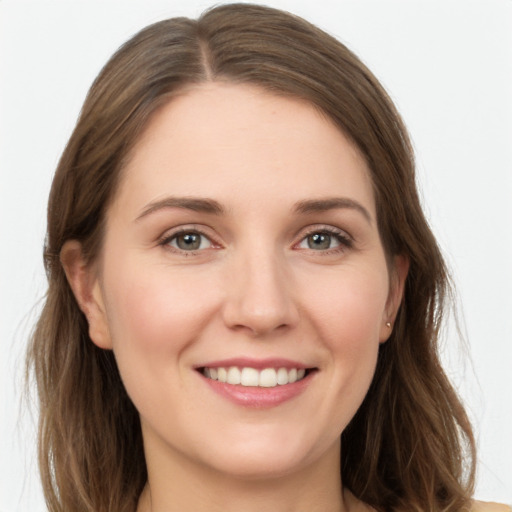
{"type": "Point", "coordinates": [448, 66]}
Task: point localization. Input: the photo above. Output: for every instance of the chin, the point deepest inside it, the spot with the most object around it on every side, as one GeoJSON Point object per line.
{"type": "Point", "coordinates": [258, 467]}
{"type": "Point", "coordinates": [268, 456]}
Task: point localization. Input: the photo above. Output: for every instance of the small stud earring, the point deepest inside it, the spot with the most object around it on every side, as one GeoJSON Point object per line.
{"type": "Point", "coordinates": [388, 325]}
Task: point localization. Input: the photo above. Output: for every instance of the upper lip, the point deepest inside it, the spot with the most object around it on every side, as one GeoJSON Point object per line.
{"type": "Point", "coordinates": [259, 364]}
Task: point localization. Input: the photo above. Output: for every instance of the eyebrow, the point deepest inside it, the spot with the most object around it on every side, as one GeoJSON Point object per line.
{"type": "Point", "coordinates": [196, 204]}
{"type": "Point", "coordinates": [199, 204]}
{"type": "Point", "coordinates": [331, 203]}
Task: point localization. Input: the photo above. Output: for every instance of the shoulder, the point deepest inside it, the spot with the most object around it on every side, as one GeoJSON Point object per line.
{"type": "Point", "coordinates": [484, 506]}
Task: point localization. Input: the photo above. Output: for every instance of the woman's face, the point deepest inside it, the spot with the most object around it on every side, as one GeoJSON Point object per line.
{"type": "Point", "coordinates": [242, 245]}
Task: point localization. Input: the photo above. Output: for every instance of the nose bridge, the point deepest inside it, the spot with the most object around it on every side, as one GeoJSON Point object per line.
{"type": "Point", "coordinates": [261, 295]}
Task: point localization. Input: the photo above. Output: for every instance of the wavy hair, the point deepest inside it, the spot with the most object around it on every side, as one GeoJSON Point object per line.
{"type": "Point", "coordinates": [410, 445]}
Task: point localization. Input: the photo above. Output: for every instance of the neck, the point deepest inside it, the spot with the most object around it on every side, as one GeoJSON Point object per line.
{"type": "Point", "coordinates": [178, 484]}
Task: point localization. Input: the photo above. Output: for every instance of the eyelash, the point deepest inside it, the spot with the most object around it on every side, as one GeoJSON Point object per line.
{"type": "Point", "coordinates": [166, 240]}
{"type": "Point", "coordinates": [344, 240]}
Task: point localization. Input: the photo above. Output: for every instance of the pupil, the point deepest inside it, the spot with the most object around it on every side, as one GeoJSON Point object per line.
{"type": "Point", "coordinates": [189, 241]}
{"type": "Point", "coordinates": [319, 241]}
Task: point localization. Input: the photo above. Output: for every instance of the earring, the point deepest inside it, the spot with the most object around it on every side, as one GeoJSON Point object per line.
{"type": "Point", "coordinates": [388, 325]}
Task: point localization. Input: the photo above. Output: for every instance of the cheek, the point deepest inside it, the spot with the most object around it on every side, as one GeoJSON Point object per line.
{"type": "Point", "coordinates": [153, 316]}
{"type": "Point", "coordinates": [154, 309]}
{"type": "Point", "coordinates": [350, 307]}
{"type": "Point", "coordinates": [348, 319]}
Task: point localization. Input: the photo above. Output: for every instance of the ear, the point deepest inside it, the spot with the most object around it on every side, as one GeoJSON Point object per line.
{"type": "Point", "coordinates": [398, 275]}
{"type": "Point", "coordinates": [84, 282]}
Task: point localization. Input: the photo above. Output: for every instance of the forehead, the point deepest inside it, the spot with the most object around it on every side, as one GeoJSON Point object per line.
{"type": "Point", "coordinates": [241, 143]}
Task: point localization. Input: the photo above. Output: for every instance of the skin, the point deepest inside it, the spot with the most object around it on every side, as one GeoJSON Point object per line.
{"type": "Point", "coordinates": [257, 287]}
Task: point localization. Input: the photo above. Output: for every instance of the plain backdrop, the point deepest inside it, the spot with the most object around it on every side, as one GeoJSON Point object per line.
{"type": "Point", "coordinates": [448, 66]}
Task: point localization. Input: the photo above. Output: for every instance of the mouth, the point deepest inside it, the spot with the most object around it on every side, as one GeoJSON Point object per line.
{"type": "Point", "coordinates": [257, 383]}
{"type": "Point", "coordinates": [253, 377]}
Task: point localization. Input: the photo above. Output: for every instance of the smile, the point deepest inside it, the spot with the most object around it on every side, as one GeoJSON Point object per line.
{"type": "Point", "coordinates": [252, 377]}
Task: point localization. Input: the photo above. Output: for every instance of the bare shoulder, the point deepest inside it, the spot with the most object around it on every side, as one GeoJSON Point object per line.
{"type": "Point", "coordinates": [485, 506]}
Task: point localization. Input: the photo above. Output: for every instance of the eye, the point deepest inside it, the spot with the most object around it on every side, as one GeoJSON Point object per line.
{"type": "Point", "coordinates": [320, 241]}
{"type": "Point", "coordinates": [325, 239]}
{"type": "Point", "coordinates": [188, 241]}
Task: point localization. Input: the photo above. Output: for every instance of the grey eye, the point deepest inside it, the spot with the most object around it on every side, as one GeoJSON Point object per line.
{"type": "Point", "coordinates": [190, 241]}
{"type": "Point", "coordinates": [320, 241]}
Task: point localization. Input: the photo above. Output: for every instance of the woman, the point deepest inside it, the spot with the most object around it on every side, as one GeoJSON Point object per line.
{"type": "Point", "coordinates": [251, 161]}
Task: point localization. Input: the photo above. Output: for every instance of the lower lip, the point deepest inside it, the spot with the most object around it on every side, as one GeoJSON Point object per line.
{"type": "Point", "coordinates": [256, 397]}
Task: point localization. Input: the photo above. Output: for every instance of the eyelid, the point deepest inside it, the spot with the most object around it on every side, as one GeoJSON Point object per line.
{"type": "Point", "coordinates": [323, 228]}
{"type": "Point", "coordinates": [168, 235]}
{"type": "Point", "coordinates": [345, 239]}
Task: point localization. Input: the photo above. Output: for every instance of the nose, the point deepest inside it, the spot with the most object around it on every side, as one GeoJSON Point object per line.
{"type": "Point", "coordinates": [260, 300]}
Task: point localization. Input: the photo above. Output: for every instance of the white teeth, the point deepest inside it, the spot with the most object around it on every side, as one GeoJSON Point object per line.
{"type": "Point", "coordinates": [222, 374]}
{"type": "Point", "coordinates": [267, 378]}
{"type": "Point", "coordinates": [233, 375]}
{"type": "Point", "coordinates": [250, 377]}
{"type": "Point", "coordinates": [282, 376]}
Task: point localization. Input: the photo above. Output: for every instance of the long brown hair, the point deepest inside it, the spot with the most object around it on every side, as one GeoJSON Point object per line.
{"type": "Point", "coordinates": [410, 445]}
